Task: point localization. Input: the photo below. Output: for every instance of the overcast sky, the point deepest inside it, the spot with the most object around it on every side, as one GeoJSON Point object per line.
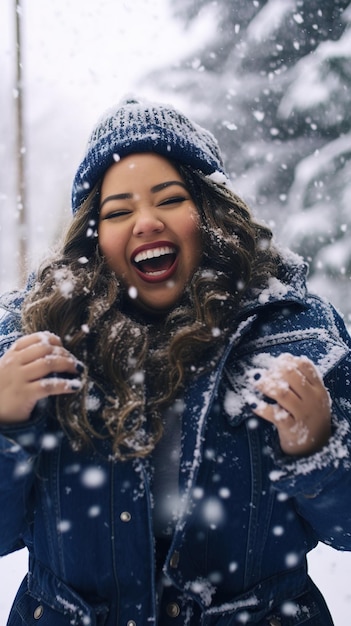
{"type": "Point", "coordinates": [94, 51]}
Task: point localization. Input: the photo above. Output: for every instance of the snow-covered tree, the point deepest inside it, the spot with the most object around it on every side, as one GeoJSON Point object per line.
{"type": "Point", "coordinates": [273, 83]}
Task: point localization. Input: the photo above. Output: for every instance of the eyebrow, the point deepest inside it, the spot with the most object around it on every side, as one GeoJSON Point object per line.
{"type": "Point", "coordinates": [154, 189]}
{"type": "Point", "coordinates": [168, 183]}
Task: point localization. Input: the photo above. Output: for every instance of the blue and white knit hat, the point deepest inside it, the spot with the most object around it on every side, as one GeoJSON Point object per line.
{"type": "Point", "coordinates": [142, 126]}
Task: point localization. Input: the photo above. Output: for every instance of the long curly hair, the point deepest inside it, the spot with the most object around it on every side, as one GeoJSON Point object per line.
{"type": "Point", "coordinates": [138, 365]}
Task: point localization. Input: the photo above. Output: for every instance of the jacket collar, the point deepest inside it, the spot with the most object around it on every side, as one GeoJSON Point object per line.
{"type": "Point", "coordinates": [12, 301]}
{"type": "Point", "coordinates": [288, 286]}
{"type": "Point", "coordinates": [199, 397]}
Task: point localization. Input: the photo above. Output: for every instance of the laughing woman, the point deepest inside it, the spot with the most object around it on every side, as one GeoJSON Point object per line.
{"type": "Point", "coordinates": [174, 404]}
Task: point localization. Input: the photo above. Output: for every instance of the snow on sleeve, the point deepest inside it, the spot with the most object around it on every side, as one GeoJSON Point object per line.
{"type": "Point", "coordinates": [329, 458]}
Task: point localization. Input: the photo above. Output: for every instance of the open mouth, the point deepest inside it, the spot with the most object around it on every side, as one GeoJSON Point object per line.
{"type": "Point", "coordinates": [157, 263]}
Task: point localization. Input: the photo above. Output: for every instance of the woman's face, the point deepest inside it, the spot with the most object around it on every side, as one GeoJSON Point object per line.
{"type": "Point", "coordinates": [149, 229]}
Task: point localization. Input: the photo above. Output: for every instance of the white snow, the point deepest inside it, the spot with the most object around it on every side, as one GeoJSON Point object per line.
{"type": "Point", "coordinates": [93, 477]}
{"type": "Point", "coordinates": [308, 89]}
{"type": "Point", "coordinates": [311, 167]}
{"type": "Point", "coordinates": [268, 18]}
{"type": "Point", "coordinates": [83, 80]}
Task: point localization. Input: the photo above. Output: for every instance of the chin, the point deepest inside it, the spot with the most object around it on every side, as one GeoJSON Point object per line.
{"type": "Point", "coordinates": [155, 309]}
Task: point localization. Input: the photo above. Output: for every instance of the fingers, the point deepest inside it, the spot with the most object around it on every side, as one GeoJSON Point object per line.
{"type": "Point", "coordinates": [41, 338]}
{"type": "Point", "coordinates": [56, 386]}
{"type": "Point", "coordinates": [41, 354]}
{"type": "Point", "coordinates": [293, 382]}
{"type": "Point", "coordinates": [307, 369]}
{"type": "Point", "coordinates": [273, 412]}
{"type": "Point", "coordinates": [35, 367]}
{"type": "Point", "coordinates": [58, 361]}
{"type": "Point", "coordinates": [301, 404]}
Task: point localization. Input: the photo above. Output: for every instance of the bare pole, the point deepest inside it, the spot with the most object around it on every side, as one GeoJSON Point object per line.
{"type": "Point", "coordinates": [20, 149]}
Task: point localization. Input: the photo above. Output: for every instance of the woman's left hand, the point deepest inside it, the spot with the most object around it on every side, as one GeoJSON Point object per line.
{"type": "Point", "coordinates": [301, 408]}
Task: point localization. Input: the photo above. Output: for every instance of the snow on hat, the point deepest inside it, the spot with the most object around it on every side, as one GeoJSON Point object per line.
{"type": "Point", "coordinates": [142, 126]}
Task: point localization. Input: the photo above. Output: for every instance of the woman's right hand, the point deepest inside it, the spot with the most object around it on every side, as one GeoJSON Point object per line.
{"type": "Point", "coordinates": [25, 371]}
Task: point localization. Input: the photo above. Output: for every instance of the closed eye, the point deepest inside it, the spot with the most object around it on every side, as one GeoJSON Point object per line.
{"type": "Point", "coordinates": [115, 214]}
{"type": "Point", "coordinates": [173, 200]}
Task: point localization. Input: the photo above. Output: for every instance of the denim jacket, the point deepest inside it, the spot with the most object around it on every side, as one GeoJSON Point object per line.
{"type": "Point", "coordinates": [249, 513]}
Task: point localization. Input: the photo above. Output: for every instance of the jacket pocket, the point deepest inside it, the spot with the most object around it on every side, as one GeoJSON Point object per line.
{"type": "Point", "coordinates": [29, 611]}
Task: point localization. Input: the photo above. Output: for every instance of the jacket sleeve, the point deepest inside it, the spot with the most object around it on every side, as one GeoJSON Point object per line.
{"type": "Point", "coordinates": [321, 483]}
{"type": "Point", "coordinates": [19, 448]}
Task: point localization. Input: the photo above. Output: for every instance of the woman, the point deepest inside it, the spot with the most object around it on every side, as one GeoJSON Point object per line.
{"type": "Point", "coordinates": [174, 404]}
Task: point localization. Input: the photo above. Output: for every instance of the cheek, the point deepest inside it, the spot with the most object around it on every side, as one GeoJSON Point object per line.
{"type": "Point", "coordinates": [190, 225]}
{"type": "Point", "coordinates": [104, 243]}
{"type": "Point", "coordinates": [192, 233]}
{"type": "Point", "coordinates": [111, 246]}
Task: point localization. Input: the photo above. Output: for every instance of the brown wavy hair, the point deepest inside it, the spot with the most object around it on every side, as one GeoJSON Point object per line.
{"type": "Point", "coordinates": [137, 365]}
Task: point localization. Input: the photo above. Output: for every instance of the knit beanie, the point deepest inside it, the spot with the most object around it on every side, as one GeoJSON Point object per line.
{"type": "Point", "coordinates": [142, 126]}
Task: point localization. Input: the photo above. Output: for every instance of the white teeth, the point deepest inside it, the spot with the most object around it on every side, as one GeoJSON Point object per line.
{"type": "Point", "coordinates": [152, 253]}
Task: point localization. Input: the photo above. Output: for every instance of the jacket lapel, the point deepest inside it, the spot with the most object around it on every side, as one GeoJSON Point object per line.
{"type": "Point", "coordinates": [198, 400]}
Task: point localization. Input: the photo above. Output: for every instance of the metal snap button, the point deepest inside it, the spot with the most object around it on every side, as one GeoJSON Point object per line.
{"type": "Point", "coordinates": [125, 516]}
{"type": "Point", "coordinates": [173, 609]}
{"type": "Point", "coordinates": [174, 560]}
{"type": "Point", "coordinates": [274, 621]}
{"type": "Point", "coordinates": [131, 622]}
{"type": "Point", "coordinates": [38, 612]}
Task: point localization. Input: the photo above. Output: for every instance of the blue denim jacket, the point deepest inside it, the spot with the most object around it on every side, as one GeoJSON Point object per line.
{"type": "Point", "coordinates": [249, 513]}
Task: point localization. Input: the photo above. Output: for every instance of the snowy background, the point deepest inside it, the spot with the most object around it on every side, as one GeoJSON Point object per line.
{"type": "Point", "coordinates": [271, 78]}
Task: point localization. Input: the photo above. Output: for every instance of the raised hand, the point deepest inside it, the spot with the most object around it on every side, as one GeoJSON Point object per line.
{"type": "Point", "coordinates": [301, 408]}
{"type": "Point", "coordinates": [30, 371]}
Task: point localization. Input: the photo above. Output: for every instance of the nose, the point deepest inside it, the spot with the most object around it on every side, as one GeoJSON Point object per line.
{"type": "Point", "coordinates": [147, 223]}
